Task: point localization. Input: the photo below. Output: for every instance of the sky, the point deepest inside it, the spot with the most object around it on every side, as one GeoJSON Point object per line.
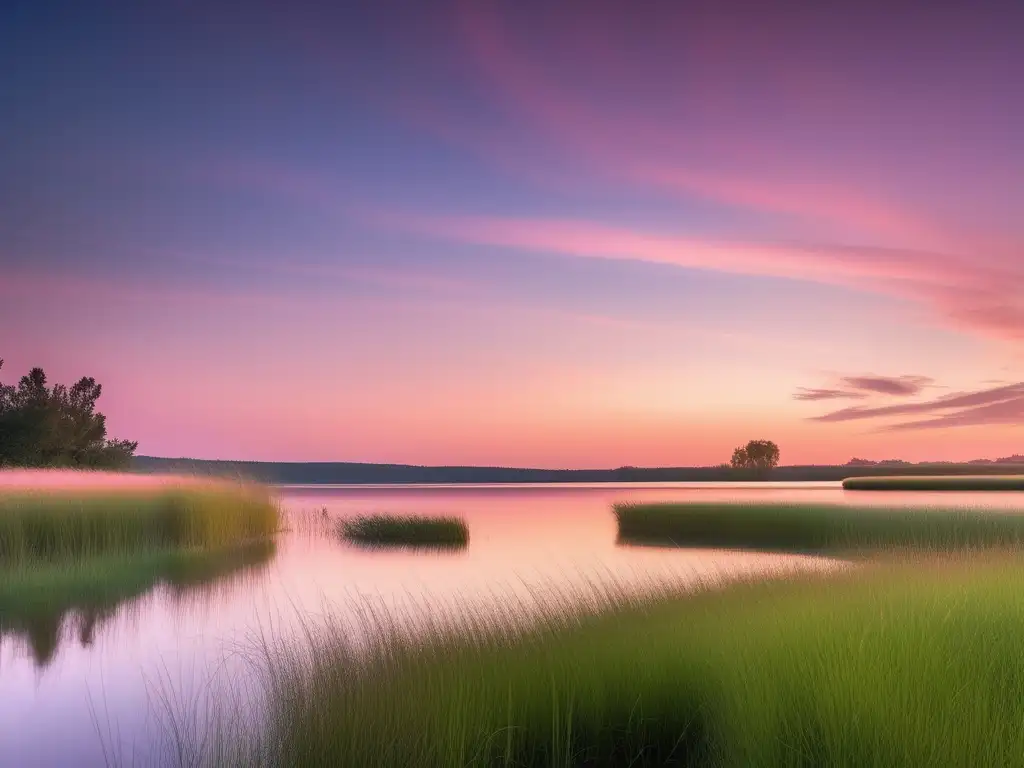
{"type": "Point", "coordinates": [576, 234]}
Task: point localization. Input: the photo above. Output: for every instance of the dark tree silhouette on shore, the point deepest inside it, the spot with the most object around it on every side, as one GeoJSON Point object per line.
{"type": "Point", "coordinates": [56, 426]}
{"type": "Point", "coordinates": [759, 455]}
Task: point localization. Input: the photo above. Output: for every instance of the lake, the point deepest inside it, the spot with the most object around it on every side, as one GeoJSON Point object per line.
{"type": "Point", "coordinates": [96, 689]}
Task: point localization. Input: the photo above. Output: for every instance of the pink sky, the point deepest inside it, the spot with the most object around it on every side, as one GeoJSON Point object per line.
{"type": "Point", "coordinates": [573, 237]}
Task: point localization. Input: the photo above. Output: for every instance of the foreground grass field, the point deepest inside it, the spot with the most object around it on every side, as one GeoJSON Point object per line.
{"type": "Point", "coordinates": [405, 531]}
{"type": "Point", "coordinates": [55, 523]}
{"type": "Point", "coordinates": [817, 527]}
{"type": "Point", "coordinates": [916, 665]}
{"type": "Point", "coordinates": [945, 483]}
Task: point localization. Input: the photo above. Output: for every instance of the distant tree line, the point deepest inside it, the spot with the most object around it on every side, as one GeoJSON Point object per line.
{"type": "Point", "coordinates": [58, 426]}
{"type": "Point", "coordinates": [1015, 459]}
{"type": "Point", "coordinates": [883, 463]}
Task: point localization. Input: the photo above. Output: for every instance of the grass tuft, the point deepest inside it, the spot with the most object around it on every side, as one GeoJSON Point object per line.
{"type": "Point", "coordinates": [936, 483]}
{"type": "Point", "coordinates": [405, 531]}
{"type": "Point", "coordinates": [817, 528]}
{"type": "Point", "coordinates": [57, 524]}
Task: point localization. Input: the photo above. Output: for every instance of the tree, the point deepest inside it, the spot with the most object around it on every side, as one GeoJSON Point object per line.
{"type": "Point", "coordinates": [760, 455]}
{"type": "Point", "coordinates": [57, 426]}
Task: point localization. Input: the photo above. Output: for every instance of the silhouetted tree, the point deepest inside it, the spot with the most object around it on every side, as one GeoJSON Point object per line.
{"type": "Point", "coordinates": [760, 455]}
{"type": "Point", "coordinates": [56, 426]}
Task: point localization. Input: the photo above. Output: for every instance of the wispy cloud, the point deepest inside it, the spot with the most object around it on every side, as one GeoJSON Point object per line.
{"type": "Point", "coordinates": [898, 386]}
{"type": "Point", "coordinates": [979, 296]}
{"type": "Point", "coordinates": [813, 395]}
{"type": "Point", "coordinates": [639, 148]}
{"type": "Point", "coordinates": [860, 387]}
{"type": "Point", "coordinates": [998, 405]}
{"type": "Point", "coordinates": [1010, 411]}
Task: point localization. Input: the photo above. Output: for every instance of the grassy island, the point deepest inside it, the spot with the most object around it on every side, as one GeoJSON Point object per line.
{"type": "Point", "coordinates": [405, 531]}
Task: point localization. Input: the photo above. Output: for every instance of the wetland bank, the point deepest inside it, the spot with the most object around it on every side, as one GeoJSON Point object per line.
{"type": "Point", "coordinates": [546, 606]}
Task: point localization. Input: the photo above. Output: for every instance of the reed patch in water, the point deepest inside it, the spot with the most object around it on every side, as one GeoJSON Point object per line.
{"type": "Point", "coordinates": [936, 483]}
{"type": "Point", "coordinates": [783, 527]}
{"type": "Point", "coordinates": [405, 531]}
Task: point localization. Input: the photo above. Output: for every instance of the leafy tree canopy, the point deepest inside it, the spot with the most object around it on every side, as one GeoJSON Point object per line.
{"type": "Point", "coordinates": [58, 426]}
{"type": "Point", "coordinates": [761, 455]}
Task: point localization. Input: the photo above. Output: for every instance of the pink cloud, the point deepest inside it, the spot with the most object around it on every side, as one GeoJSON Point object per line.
{"type": "Point", "coordinates": [640, 146]}
{"type": "Point", "coordinates": [1009, 411]}
{"type": "Point", "coordinates": [898, 386]}
{"type": "Point", "coordinates": [963, 404]}
{"type": "Point", "coordinates": [982, 298]}
{"type": "Point", "coordinates": [814, 395]}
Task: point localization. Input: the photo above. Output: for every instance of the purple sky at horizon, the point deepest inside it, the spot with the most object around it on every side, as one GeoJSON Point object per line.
{"type": "Point", "coordinates": [534, 234]}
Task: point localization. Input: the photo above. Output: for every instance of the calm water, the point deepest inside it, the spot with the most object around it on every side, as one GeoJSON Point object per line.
{"type": "Point", "coordinates": [96, 689]}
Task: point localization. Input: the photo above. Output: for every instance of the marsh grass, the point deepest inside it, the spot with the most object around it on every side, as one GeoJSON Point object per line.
{"type": "Point", "coordinates": [896, 664]}
{"type": "Point", "coordinates": [405, 531]}
{"type": "Point", "coordinates": [834, 528]}
{"type": "Point", "coordinates": [936, 483]}
{"type": "Point", "coordinates": [60, 524]}
{"type": "Point", "coordinates": [37, 601]}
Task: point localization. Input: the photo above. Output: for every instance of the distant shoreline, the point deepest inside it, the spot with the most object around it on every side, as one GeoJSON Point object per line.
{"type": "Point", "coordinates": [348, 473]}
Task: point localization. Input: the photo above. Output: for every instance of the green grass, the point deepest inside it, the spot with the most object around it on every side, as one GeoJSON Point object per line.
{"type": "Point", "coordinates": [36, 601]}
{"type": "Point", "coordinates": [817, 528]}
{"type": "Point", "coordinates": [61, 524]}
{"type": "Point", "coordinates": [944, 483]}
{"type": "Point", "coordinates": [891, 665]}
{"type": "Point", "coordinates": [405, 531]}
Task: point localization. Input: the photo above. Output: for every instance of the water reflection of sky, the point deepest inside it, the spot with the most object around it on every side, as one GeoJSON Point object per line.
{"type": "Point", "coordinates": [176, 638]}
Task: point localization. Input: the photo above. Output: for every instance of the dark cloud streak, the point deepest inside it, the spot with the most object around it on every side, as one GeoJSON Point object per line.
{"type": "Point", "coordinates": [1005, 412]}
{"type": "Point", "coordinates": [999, 405]}
{"type": "Point", "coordinates": [860, 387]}
{"type": "Point", "coordinates": [899, 386]}
{"type": "Point", "coordinates": [808, 394]}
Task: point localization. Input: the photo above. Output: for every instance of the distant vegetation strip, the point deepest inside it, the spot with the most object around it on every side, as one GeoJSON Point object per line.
{"type": "Point", "coordinates": [857, 669]}
{"type": "Point", "coordinates": [59, 524]}
{"type": "Point", "coordinates": [940, 483]}
{"type": "Point", "coordinates": [405, 531]}
{"type": "Point", "coordinates": [817, 527]}
{"type": "Point", "coordinates": [297, 473]}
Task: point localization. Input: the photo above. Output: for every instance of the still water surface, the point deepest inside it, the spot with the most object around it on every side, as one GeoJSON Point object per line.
{"type": "Point", "coordinates": [96, 689]}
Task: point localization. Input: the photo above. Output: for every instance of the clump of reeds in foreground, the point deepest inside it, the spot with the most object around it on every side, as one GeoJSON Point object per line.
{"type": "Point", "coordinates": [405, 531]}
{"type": "Point", "coordinates": [936, 483]}
{"type": "Point", "coordinates": [55, 522]}
{"type": "Point", "coordinates": [901, 664]}
{"type": "Point", "coordinates": [817, 527]}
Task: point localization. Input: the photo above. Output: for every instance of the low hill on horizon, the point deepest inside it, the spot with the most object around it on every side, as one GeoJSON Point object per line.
{"type": "Point", "coordinates": [355, 473]}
